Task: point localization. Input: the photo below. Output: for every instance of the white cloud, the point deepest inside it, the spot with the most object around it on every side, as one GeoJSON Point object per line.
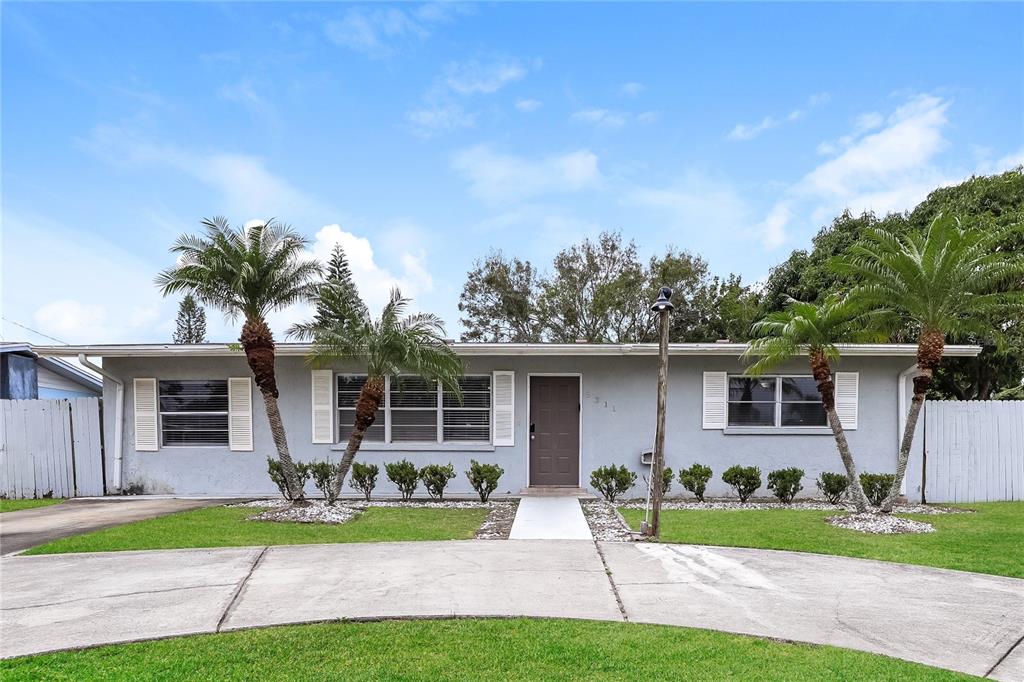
{"type": "Point", "coordinates": [749, 131]}
{"type": "Point", "coordinates": [375, 32]}
{"type": "Point", "coordinates": [602, 118]}
{"type": "Point", "coordinates": [612, 120]}
{"type": "Point", "coordinates": [374, 280]}
{"type": "Point", "coordinates": [501, 177]}
{"type": "Point", "coordinates": [441, 108]}
{"type": "Point", "coordinates": [885, 164]}
{"type": "Point", "coordinates": [248, 188]}
{"type": "Point", "coordinates": [528, 105]}
{"type": "Point", "coordinates": [474, 77]}
{"type": "Point", "coordinates": [438, 118]}
{"type": "Point", "coordinates": [631, 89]}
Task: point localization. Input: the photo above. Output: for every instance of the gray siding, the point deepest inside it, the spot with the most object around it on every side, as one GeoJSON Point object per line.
{"type": "Point", "coordinates": [618, 400]}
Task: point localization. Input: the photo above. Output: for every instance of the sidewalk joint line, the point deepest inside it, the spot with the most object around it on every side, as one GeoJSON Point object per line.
{"type": "Point", "coordinates": [615, 589]}
{"type": "Point", "coordinates": [238, 590]}
{"type": "Point", "coordinates": [1005, 655]}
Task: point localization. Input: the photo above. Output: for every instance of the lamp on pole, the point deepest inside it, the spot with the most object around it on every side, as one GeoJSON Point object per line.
{"type": "Point", "coordinates": [663, 307]}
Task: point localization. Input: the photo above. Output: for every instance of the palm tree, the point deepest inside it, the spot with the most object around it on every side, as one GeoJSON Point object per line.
{"type": "Point", "coordinates": [814, 329]}
{"type": "Point", "coordinates": [945, 282]}
{"type": "Point", "coordinates": [391, 345]}
{"type": "Point", "coordinates": [250, 272]}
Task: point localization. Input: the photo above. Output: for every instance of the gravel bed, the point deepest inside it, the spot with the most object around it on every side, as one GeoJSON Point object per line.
{"type": "Point", "coordinates": [498, 523]}
{"type": "Point", "coordinates": [800, 505]}
{"type": "Point", "coordinates": [605, 522]}
{"type": "Point", "coordinates": [880, 524]}
{"type": "Point", "coordinates": [363, 504]}
{"type": "Point", "coordinates": [315, 512]}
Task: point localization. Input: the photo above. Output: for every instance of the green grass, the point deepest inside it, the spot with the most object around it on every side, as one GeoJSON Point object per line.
{"type": "Point", "coordinates": [518, 649]}
{"type": "Point", "coordinates": [228, 527]}
{"type": "Point", "coordinates": [18, 505]}
{"type": "Point", "coordinates": [988, 541]}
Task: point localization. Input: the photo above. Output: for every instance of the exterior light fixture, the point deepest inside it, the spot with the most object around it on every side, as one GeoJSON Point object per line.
{"type": "Point", "coordinates": [663, 304]}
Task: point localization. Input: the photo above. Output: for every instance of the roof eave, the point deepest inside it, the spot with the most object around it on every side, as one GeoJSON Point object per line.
{"type": "Point", "coordinates": [490, 349]}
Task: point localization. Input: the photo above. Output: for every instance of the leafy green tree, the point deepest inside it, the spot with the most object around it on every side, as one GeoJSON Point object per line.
{"type": "Point", "coordinates": [393, 344]}
{"type": "Point", "coordinates": [248, 272]}
{"type": "Point", "coordinates": [950, 280]}
{"type": "Point", "coordinates": [190, 327]}
{"type": "Point", "coordinates": [717, 309]}
{"type": "Point", "coordinates": [814, 329]}
{"type": "Point", "coordinates": [499, 301]}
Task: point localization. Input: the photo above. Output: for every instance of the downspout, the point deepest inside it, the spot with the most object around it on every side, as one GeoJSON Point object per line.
{"type": "Point", "coordinates": [901, 397]}
{"type": "Point", "coordinates": [118, 415]}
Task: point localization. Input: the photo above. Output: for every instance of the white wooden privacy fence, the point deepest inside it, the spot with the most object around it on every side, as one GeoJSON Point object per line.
{"type": "Point", "coordinates": [974, 450]}
{"type": "Point", "coordinates": [50, 447]}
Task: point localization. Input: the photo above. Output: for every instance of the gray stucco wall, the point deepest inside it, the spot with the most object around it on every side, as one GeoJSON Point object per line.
{"type": "Point", "coordinates": [618, 396]}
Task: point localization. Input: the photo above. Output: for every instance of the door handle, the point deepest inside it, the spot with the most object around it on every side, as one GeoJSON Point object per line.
{"type": "Point", "coordinates": [532, 429]}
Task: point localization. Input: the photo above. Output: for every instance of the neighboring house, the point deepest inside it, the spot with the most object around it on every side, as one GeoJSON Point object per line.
{"type": "Point", "coordinates": [24, 375]}
{"type": "Point", "coordinates": [192, 422]}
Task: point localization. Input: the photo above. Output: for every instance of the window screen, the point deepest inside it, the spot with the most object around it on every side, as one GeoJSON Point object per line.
{"type": "Point", "coordinates": [470, 420]}
{"type": "Point", "coordinates": [194, 412]}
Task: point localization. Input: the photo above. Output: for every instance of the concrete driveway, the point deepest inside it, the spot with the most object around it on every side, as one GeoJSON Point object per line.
{"type": "Point", "coordinates": [21, 530]}
{"type": "Point", "coordinates": [955, 620]}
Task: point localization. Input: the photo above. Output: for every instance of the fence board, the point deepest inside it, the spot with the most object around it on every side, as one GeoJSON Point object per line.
{"type": "Point", "coordinates": [44, 452]}
{"type": "Point", "coordinates": [975, 450]}
{"type": "Point", "coordinates": [87, 452]}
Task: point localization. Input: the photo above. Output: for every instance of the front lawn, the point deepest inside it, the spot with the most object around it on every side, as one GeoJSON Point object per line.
{"type": "Point", "coordinates": [228, 527]}
{"type": "Point", "coordinates": [517, 649]}
{"type": "Point", "coordinates": [17, 505]}
{"type": "Point", "coordinates": [988, 541]}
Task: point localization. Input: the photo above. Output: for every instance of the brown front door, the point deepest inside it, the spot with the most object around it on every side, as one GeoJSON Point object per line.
{"type": "Point", "coordinates": [555, 431]}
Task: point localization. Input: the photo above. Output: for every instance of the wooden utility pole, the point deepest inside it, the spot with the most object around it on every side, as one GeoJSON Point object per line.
{"type": "Point", "coordinates": [664, 309]}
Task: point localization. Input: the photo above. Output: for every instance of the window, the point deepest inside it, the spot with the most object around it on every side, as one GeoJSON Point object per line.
{"type": "Point", "coordinates": [775, 401]}
{"type": "Point", "coordinates": [419, 411]}
{"type": "Point", "coordinates": [469, 421]}
{"type": "Point", "coordinates": [194, 412]}
{"type": "Point", "coordinates": [348, 395]}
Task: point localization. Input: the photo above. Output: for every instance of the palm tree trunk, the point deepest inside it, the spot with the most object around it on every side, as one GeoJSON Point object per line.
{"type": "Point", "coordinates": [370, 398]}
{"type": "Point", "coordinates": [930, 346]}
{"type": "Point", "coordinates": [827, 389]}
{"type": "Point", "coordinates": [258, 343]}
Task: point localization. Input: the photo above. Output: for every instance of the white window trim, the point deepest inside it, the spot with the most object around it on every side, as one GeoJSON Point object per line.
{"type": "Point", "coordinates": [736, 428]}
{"type": "Point", "coordinates": [386, 408]}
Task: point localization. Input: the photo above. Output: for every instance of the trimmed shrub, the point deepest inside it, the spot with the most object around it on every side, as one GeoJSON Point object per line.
{"type": "Point", "coordinates": [833, 486]}
{"type": "Point", "coordinates": [666, 480]}
{"type": "Point", "coordinates": [484, 478]}
{"type": "Point", "coordinates": [435, 479]}
{"type": "Point", "coordinates": [364, 478]}
{"type": "Point", "coordinates": [744, 480]}
{"type": "Point", "coordinates": [277, 476]}
{"type": "Point", "coordinates": [876, 486]}
{"type": "Point", "coordinates": [323, 478]}
{"type": "Point", "coordinates": [695, 479]}
{"type": "Point", "coordinates": [404, 475]}
{"type": "Point", "coordinates": [611, 481]}
{"type": "Point", "coordinates": [785, 483]}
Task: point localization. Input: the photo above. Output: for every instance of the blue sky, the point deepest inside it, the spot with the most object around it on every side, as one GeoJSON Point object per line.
{"type": "Point", "coordinates": [423, 136]}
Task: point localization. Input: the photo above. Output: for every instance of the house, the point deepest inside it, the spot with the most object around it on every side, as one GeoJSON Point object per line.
{"type": "Point", "coordinates": [187, 419]}
{"type": "Point", "coordinates": [24, 375]}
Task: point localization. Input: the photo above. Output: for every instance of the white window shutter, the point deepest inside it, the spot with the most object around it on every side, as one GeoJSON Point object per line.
{"type": "Point", "coordinates": [847, 389]}
{"type": "Point", "coordinates": [240, 414]}
{"type": "Point", "coordinates": [144, 391]}
{"type": "Point", "coordinates": [716, 406]}
{"type": "Point", "coordinates": [323, 412]}
{"type": "Point", "coordinates": [503, 401]}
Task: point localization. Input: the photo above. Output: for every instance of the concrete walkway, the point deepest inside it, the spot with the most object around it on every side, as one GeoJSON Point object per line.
{"type": "Point", "coordinates": [955, 620]}
{"type": "Point", "coordinates": [21, 530]}
{"type": "Point", "coordinates": [550, 518]}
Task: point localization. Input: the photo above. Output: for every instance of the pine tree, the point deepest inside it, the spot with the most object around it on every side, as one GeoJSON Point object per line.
{"type": "Point", "coordinates": [337, 298]}
{"type": "Point", "coordinates": [191, 323]}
